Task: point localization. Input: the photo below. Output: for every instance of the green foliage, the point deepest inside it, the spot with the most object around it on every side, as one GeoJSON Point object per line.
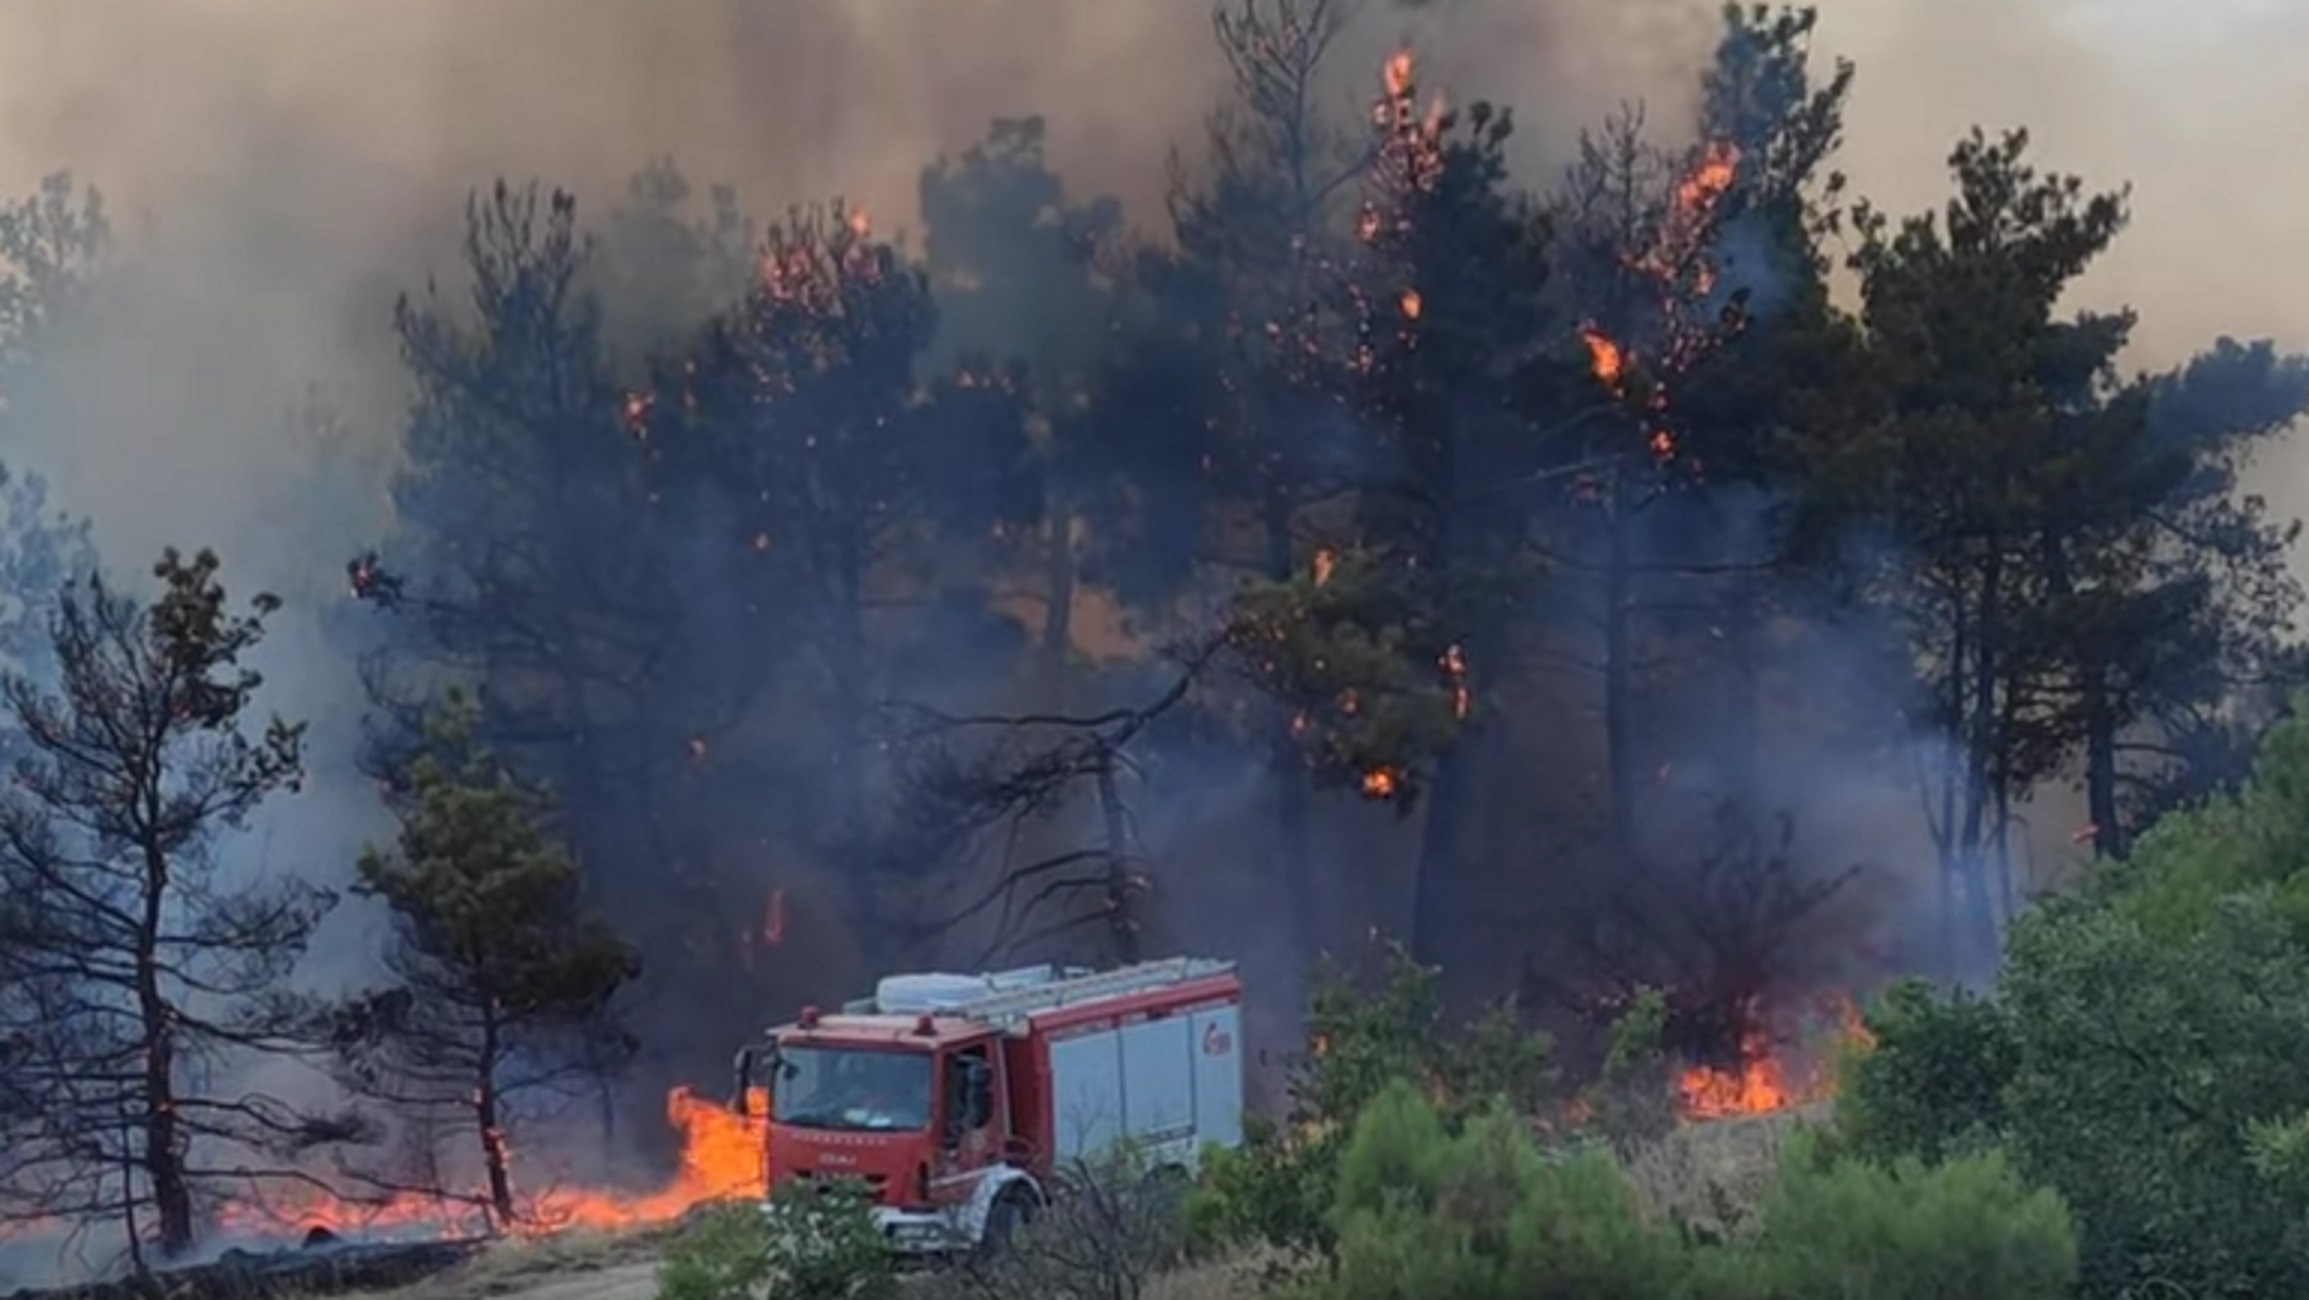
{"type": "Point", "coordinates": [1359, 646]}
{"type": "Point", "coordinates": [1277, 1188]}
{"type": "Point", "coordinates": [1933, 1082]}
{"type": "Point", "coordinates": [496, 960]}
{"type": "Point", "coordinates": [1911, 1231]}
{"type": "Point", "coordinates": [1633, 1103]}
{"type": "Point", "coordinates": [1274, 1190]}
{"type": "Point", "coordinates": [2142, 1054]}
{"type": "Point", "coordinates": [816, 1242]}
{"type": "Point", "coordinates": [1400, 1032]}
{"type": "Point", "coordinates": [487, 902]}
{"type": "Point", "coordinates": [1423, 1210]}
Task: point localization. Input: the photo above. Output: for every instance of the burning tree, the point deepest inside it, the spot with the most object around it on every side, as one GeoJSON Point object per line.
{"type": "Point", "coordinates": [137, 963]}
{"type": "Point", "coordinates": [1365, 657]}
{"type": "Point", "coordinates": [832, 482]}
{"type": "Point", "coordinates": [1444, 288]}
{"type": "Point", "coordinates": [503, 981]}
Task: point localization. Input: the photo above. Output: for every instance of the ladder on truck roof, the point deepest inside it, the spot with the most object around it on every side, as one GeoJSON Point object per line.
{"type": "Point", "coordinates": [1013, 1004]}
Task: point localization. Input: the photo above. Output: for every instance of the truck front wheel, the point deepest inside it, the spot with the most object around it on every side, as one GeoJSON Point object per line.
{"type": "Point", "coordinates": [1013, 1208]}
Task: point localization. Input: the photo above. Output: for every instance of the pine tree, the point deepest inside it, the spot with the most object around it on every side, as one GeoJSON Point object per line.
{"type": "Point", "coordinates": [504, 979]}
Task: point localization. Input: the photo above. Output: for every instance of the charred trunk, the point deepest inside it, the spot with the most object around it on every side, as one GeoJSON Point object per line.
{"type": "Point", "coordinates": [490, 1125]}
{"type": "Point", "coordinates": [1984, 760]}
{"type": "Point", "coordinates": [1438, 911]}
{"type": "Point", "coordinates": [1294, 884]}
{"type": "Point", "coordinates": [2108, 829]}
{"type": "Point", "coordinates": [1743, 746]}
{"type": "Point", "coordinates": [1618, 686]}
{"type": "Point", "coordinates": [164, 1136]}
{"type": "Point", "coordinates": [1121, 900]}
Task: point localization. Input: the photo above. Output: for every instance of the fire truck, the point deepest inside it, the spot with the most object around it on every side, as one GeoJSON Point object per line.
{"type": "Point", "coordinates": [962, 1101]}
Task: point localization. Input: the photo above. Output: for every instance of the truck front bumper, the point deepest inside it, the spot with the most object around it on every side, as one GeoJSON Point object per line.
{"type": "Point", "coordinates": [921, 1232]}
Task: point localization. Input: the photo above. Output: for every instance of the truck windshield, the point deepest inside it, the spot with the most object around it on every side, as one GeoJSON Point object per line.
{"type": "Point", "coordinates": [852, 1088]}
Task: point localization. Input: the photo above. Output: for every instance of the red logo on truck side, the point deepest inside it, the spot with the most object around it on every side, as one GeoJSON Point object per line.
{"type": "Point", "coordinates": [1217, 1041]}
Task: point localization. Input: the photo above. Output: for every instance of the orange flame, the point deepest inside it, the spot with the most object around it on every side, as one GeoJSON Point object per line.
{"type": "Point", "coordinates": [1763, 1081]}
{"type": "Point", "coordinates": [1606, 360]}
{"type": "Point", "coordinates": [1379, 783]}
{"type": "Point", "coordinates": [1455, 670]}
{"type": "Point", "coordinates": [1397, 74]}
{"type": "Point", "coordinates": [1412, 303]}
{"type": "Point", "coordinates": [1326, 560]}
{"type": "Point", "coordinates": [724, 1156]}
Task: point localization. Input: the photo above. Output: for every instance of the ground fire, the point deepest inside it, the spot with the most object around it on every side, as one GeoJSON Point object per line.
{"type": "Point", "coordinates": [722, 1157]}
{"type": "Point", "coordinates": [1770, 1075]}
{"type": "Point", "coordinates": [725, 1155]}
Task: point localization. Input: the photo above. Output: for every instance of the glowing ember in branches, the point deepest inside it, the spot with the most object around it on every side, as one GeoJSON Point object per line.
{"type": "Point", "coordinates": [1605, 360]}
{"type": "Point", "coordinates": [1675, 260]}
{"type": "Point", "coordinates": [1379, 783]}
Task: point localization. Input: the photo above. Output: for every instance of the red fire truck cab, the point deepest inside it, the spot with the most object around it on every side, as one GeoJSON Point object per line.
{"type": "Point", "coordinates": [960, 1099]}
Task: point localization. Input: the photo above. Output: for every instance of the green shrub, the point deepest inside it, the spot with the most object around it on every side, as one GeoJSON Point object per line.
{"type": "Point", "coordinates": [816, 1243]}
{"type": "Point", "coordinates": [1276, 1190]}
{"type": "Point", "coordinates": [1933, 1085]}
{"type": "Point", "coordinates": [1422, 1212]}
{"type": "Point", "coordinates": [1840, 1229]}
{"type": "Point", "coordinates": [1633, 1104]}
{"type": "Point", "coordinates": [2143, 1053]}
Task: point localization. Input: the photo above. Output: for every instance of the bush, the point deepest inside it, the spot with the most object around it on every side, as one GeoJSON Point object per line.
{"type": "Point", "coordinates": [2142, 1053]}
{"type": "Point", "coordinates": [1633, 1104]}
{"type": "Point", "coordinates": [1479, 1211]}
{"type": "Point", "coordinates": [816, 1243]}
{"type": "Point", "coordinates": [1852, 1230]}
{"type": "Point", "coordinates": [1933, 1084]}
{"type": "Point", "coordinates": [1422, 1212]}
{"type": "Point", "coordinates": [1275, 1190]}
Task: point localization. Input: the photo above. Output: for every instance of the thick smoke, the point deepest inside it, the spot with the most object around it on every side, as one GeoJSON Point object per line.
{"type": "Point", "coordinates": [280, 169]}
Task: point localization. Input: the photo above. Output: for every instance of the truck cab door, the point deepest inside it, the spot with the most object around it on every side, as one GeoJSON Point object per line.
{"type": "Point", "coordinates": [971, 1128]}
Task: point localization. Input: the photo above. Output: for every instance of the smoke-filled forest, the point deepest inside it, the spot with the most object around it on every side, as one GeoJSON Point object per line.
{"type": "Point", "coordinates": [1662, 569]}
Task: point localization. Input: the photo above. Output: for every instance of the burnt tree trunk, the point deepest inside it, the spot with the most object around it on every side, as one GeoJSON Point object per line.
{"type": "Point", "coordinates": [2108, 830]}
{"type": "Point", "coordinates": [1743, 748]}
{"type": "Point", "coordinates": [1984, 745]}
{"type": "Point", "coordinates": [164, 1137]}
{"type": "Point", "coordinates": [1292, 867]}
{"type": "Point", "coordinates": [1618, 670]}
{"type": "Point", "coordinates": [490, 1124]}
{"type": "Point", "coordinates": [1121, 901]}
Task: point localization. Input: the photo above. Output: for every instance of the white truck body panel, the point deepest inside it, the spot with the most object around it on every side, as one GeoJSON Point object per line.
{"type": "Point", "coordinates": [1218, 1077]}
{"type": "Point", "coordinates": [1167, 1085]}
